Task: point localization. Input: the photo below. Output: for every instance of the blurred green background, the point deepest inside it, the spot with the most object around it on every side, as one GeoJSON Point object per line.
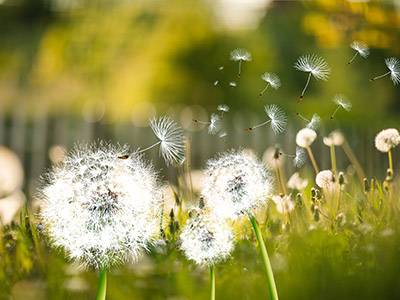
{"type": "Point", "coordinates": [84, 70]}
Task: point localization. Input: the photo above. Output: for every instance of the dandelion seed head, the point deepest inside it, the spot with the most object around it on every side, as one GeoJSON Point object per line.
{"type": "Point", "coordinates": [361, 48]}
{"type": "Point", "coordinates": [284, 203]}
{"type": "Point", "coordinates": [215, 124]}
{"type": "Point", "coordinates": [299, 158]}
{"type": "Point", "coordinates": [235, 183]}
{"type": "Point", "coordinates": [335, 138]}
{"type": "Point", "coordinates": [387, 139]}
{"type": "Point", "coordinates": [277, 116]}
{"type": "Point", "coordinates": [343, 101]}
{"type": "Point", "coordinates": [393, 65]}
{"type": "Point", "coordinates": [272, 79]}
{"type": "Point", "coordinates": [325, 179]}
{"type": "Point", "coordinates": [240, 54]}
{"type": "Point", "coordinates": [206, 240]}
{"type": "Point", "coordinates": [296, 182]}
{"type": "Point", "coordinates": [172, 147]}
{"type": "Point", "coordinates": [315, 65]}
{"type": "Point", "coordinates": [305, 137]}
{"type": "Point", "coordinates": [100, 209]}
{"type": "Point", "coordinates": [223, 108]}
{"type": "Point", "coordinates": [314, 123]}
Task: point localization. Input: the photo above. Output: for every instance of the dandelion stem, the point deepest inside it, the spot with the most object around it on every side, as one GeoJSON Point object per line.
{"type": "Point", "coordinates": [314, 163]}
{"type": "Point", "coordinates": [353, 159]}
{"type": "Point", "coordinates": [102, 289]}
{"type": "Point", "coordinates": [145, 149]}
{"type": "Point", "coordinates": [390, 159]}
{"type": "Point", "coordinates": [273, 292]}
{"type": "Point", "coordinates": [333, 160]}
{"type": "Point", "coordinates": [377, 77]}
{"type": "Point", "coordinates": [351, 60]}
{"type": "Point", "coordinates": [304, 90]}
{"type": "Point", "coordinates": [262, 92]}
{"type": "Point", "coordinates": [212, 283]}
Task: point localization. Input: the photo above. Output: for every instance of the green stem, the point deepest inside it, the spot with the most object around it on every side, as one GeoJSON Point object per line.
{"type": "Point", "coordinates": [273, 292]}
{"type": "Point", "coordinates": [212, 283]}
{"type": "Point", "coordinates": [102, 289]}
{"type": "Point", "coordinates": [390, 159]}
{"type": "Point", "coordinates": [333, 160]}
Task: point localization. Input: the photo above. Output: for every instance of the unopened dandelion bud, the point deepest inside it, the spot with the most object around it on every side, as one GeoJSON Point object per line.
{"type": "Point", "coordinates": [171, 214]}
{"type": "Point", "coordinates": [316, 213]}
{"type": "Point", "coordinates": [386, 186]}
{"type": "Point", "coordinates": [299, 200]}
{"type": "Point", "coordinates": [366, 186]}
{"type": "Point", "coordinates": [313, 193]}
{"type": "Point", "coordinates": [389, 175]}
{"type": "Point", "coordinates": [318, 194]}
{"type": "Point", "coordinates": [341, 178]}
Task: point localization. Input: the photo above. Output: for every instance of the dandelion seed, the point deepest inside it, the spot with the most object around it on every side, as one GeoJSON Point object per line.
{"type": "Point", "coordinates": [325, 179]}
{"type": "Point", "coordinates": [342, 101]}
{"type": "Point", "coordinates": [296, 182]}
{"type": "Point", "coordinates": [170, 136]}
{"type": "Point", "coordinates": [232, 84]}
{"type": "Point", "coordinates": [223, 108]}
{"type": "Point", "coordinates": [393, 65]}
{"type": "Point", "coordinates": [315, 66]}
{"type": "Point", "coordinates": [284, 203]}
{"type": "Point", "coordinates": [272, 158]}
{"type": "Point", "coordinates": [277, 119]}
{"type": "Point", "coordinates": [387, 139]}
{"type": "Point", "coordinates": [216, 82]}
{"type": "Point", "coordinates": [272, 80]}
{"type": "Point", "coordinates": [221, 68]}
{"type": "Point", "coordinates": [313, 123]}
{"type": "Point", "coordinates": [235, 183]}
{"type": "Point", "coordinates": [298, 159]}
{"type": "Point", "coordinates": [206, 240]}
{"type": "Point", "coordinates": [240, 55]}
{"type": "Point", "coordinates": [361, 48]}
{"type": "Point", "coordinates": [215, 124]}
{"type": "Point", "coordinates": [101, 210]}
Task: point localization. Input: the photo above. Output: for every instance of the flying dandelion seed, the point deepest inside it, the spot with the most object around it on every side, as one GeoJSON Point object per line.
{"type": "Point", "coordinates": [313, 123]}
{"type": "Point", "coordinates": [361, 48]}
{"type": "Point", "coordinates": [299, 158]}
{"type": "Point", "coordinates": [272, 80]}
{"type": "Point", "coordinates": [223, 108]}
{"type": "Point", "coordinates": [101, 210]}
{"type": "Point", "coordinates": [232, 84]}
{"type": "Point", "coordinates": [277, 119]}
{"type": "Point", "coordinates": [221, 68]}
{"type": "Point", "coordinates": [240, 55]}
{"type": "Point", "coordinates": [216, 82]}
{"type": "Point", "coordinates": [315, 66]}
{"type": "Point", "coordinates": [393, 65]}
{"type": "Point", "coordinates": [342, 101]}
{"type": "Point", "coordinates": [215, 124]}
{"type": "Point", "coordinates": [171, 142]}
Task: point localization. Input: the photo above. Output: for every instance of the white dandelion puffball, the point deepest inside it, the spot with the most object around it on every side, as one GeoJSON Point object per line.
{"type": "Point", "coordinates": [305, 137]}
{"type": "Point", "coordinates": [215, 124]}
{"type": "Point", "coordinates": [325, 179]}
{"type": "Point", "coordinates": [284, 204]}
{"type": "Point", "coordinates": [235, 183]}
{"type": "Point", "coordinates": [361, 48]}
{"type": "Point", "coordinates": [240, 54]}
{"type": "Point", "coordinates": [206, 240]}
{"type": "Point", "coordinates": [342, 101]}
{"type": "Point", "coordinates": [277, 117]}
{"type": "Point", "coordinates": [296, 182]}
{"type": "Point", "coordinates": [335, 138]}
{"type": "Point", "coordinates": [393, 65]}
{"type": "Point", "coordinates": [387, 139]}
{"type": "Point", "coordinates": [170, 134]}
{"type": "Point", "coordinates": [100, 209]}
{"type": "Point", "coordinates": [272, 79]}
{"type": "Point", "coordinates": [315, 65]}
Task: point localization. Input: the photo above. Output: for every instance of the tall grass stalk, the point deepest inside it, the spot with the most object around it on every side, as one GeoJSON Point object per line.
{"type": "Point", "coordinates": [102, 289]}
{"type": "Point", "coordinates": [273, 292]}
